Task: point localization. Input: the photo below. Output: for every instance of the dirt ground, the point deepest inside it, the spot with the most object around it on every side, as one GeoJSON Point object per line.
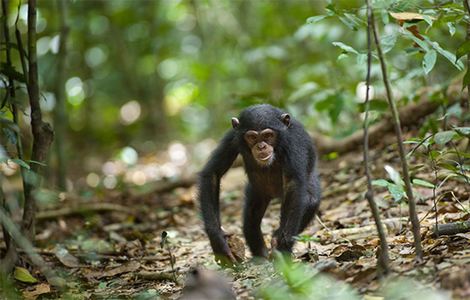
{"type": "Point", "coordinates": [117, 252]}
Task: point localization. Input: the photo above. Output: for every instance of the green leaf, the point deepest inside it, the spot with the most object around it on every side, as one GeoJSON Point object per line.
{"type": "Point", "coordinates": [361, 59]}
{"type": "Point", "coordinates": [465, 131]}
{"type": "Point", "coordinates": [444, 137]}
{"type": "Point", "coordinates": [428, 19]}
{"type": "Point", "coordinates": [305, 90]}
{"type": "Point", "coordinates": [426, 44]}
{"type": "Point", "coordinates": [374, 104]}
{"type": "Point", "coordinates": [451, 28]}
{"type": "Point", "coordinates": [388, 41]}
{"type": "Point", "coordinates": [37, 163]}
{"type": "Point", "coordinates": [396, 191]}
{"type": "Point", "coordinates": [449, 56]}
{"type": "Point", "coordinates": [429, 61]}
{"type": "Point", "coordinates": [345, 48]}
{"type": "Point", "coordinates": [381, 182]}
{"type": "Point", "coordinates": [424, 183]}
{"type": "Point", "coordinates": [315, 19]}
{"type": "Point", "coordinates": [348, 22]}
{"type": "Point", "coordinates": [466, 79]}
{"type": "Point", "coordinates": [462, 50]}
{"type": "Point", "coordinates": [20, 162]}
{"type": "Point", "coordinates": [10, 72]}
{"type": "Point", "coordinates": [23, 275]}
{"type": "Point", "coordinates": [342, 56]}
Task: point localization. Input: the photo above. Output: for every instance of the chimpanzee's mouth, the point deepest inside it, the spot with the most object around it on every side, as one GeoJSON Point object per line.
{"type": "Point", "coordinates": [265, 158]}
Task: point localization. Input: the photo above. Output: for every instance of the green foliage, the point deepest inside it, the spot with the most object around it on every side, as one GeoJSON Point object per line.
{"type": "Point", "coordinates": [443, 156]}
{"type": "Point", "coordinates": [300, 281]}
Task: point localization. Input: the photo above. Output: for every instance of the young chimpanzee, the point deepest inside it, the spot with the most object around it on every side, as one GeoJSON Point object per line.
{"type": "Point", "coordinates": [279, 160]}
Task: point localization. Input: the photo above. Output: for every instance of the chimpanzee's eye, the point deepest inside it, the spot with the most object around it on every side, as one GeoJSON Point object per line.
{"type": "Point", "coordinates": [251, 136]}
{"type": "Point", "coordinates": [268, 134]}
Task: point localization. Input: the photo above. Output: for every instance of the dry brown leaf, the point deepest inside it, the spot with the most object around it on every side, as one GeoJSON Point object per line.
{"type": "Point", "coordinates": [237, 247]}
{"type": "Point", "coordinates": [126, 268]}
{"type": "Point", "coordinates": [39, 289]}
{"type": "Point", "coordinates": [407, 16]}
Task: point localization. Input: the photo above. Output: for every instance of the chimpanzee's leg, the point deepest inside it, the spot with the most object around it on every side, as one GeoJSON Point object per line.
{"type": "Point", "coordinates": [255, 207]}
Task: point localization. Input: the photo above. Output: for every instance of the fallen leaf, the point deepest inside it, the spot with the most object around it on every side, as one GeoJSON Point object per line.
{"type": "Point", "coordinates": [64, 256]}
{"type": "Point", "coordinates": [42, 288]}
{"type": "Point", "coordinates": [23, 275]}
{"type": "Point", "coordinates": [126, 268]}
{"type": "Point", "coordinates": [237, 246]}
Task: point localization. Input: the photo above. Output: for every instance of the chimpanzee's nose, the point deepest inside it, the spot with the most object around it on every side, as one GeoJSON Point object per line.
{"type": "Point", "coordinates": [261, 146]}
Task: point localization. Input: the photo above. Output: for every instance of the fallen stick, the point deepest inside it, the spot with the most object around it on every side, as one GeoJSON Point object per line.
{"type": "Point", "coordinates": [362, 232]}
{"type": "Point", "coordinates": [451, 228]}
{"type": "Point", "coordinates": [82, 208]}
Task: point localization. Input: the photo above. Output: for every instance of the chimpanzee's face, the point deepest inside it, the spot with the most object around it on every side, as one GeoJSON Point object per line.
{"type": "Point", "coordinates": [261, 144]}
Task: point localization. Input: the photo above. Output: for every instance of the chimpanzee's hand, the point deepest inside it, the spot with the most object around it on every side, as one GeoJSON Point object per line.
{"type": "Point", "coordinates": [222, 252]}
{"type": "Point", "coordinates": [280, 242]}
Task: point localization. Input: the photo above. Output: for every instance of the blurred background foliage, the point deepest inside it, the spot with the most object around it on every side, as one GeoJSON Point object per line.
{"type": "Point", "coordinates": [142, 74]}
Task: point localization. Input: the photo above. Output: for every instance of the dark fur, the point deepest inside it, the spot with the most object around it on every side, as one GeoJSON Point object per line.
{"type": "Point", "coordinates": [291, 177]}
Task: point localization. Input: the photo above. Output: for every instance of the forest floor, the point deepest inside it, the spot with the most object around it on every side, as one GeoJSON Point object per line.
{"type": "Point", "coordinates": [115, 252]}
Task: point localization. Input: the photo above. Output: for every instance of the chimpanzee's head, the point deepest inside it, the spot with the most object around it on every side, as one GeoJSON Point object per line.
{"type": "Point", "coordinates": [259, 127]}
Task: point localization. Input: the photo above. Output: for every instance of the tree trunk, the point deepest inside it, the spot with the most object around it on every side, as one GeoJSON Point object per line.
{"type": "Point", "coordinates": [41, 131]}
{"type": "Point", "coordinates": [60, 115]}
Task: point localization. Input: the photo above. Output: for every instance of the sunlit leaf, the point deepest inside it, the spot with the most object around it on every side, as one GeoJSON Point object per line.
{"type": "Point", "coordinates": [463, 130]}
{"type": "Point", "coordinates": [380, 182]}
{"type": "Point", "coordinates": [315, 19]}
{"type": "Point", "coordinates": [406, 16]}
{"type": "Point", "coordinates": [345, 48]}
{"type": "Point", "coordinates": [393, 174]}
{"type": "Point", "coordinates": [429, 61]}
{"type": "Point", "coordinates": [451, 28]}
{"type": "Point", "coordinates": [444, 137]}
{"type": "Point", "coordinates": [23, 275]}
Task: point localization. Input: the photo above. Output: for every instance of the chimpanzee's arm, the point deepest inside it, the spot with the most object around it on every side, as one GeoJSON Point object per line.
{"type": "Point", "coordinates": [209, 185]}
{"type": "Point", "coordinates": [297, 200]}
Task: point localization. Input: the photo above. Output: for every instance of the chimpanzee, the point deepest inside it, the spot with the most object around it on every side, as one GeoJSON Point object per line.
{"type": "Point", "coordinates": [279, 159]}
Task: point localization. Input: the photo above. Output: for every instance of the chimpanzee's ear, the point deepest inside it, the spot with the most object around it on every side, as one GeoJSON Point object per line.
{"type": "Point", "coordinates": [285, 118]}
{"type": "Point", "coordinates": [235, 123]}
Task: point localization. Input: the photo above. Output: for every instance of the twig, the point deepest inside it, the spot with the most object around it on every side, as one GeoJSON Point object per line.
{"type": "Point", "coordinates": [383, 257]}
{"type": "Point", "coordinates": [401, 150]}
{"type": "Point", "coordinates": [83, 208]}
{"type": "Point", "coordinates": [451, 228]}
